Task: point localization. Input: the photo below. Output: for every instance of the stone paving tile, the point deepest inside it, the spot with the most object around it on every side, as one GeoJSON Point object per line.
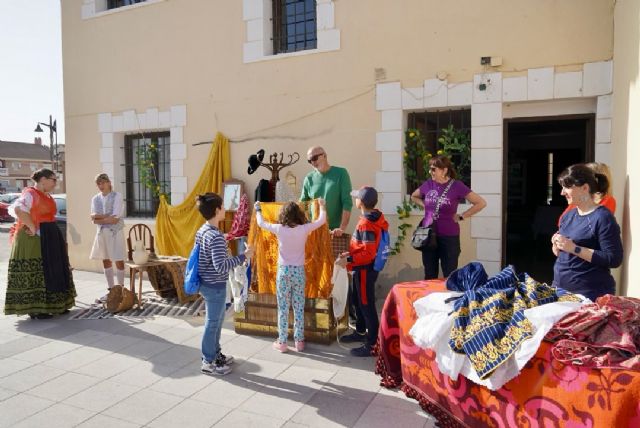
{"type": "Point", "coordinates": [58, 415]}
{"type": "Point", "coordinates": [6, 393]}
{"type": "Point", "coordinates": [19, 345]}
{"type": "Point", "coordinates": [9, 366]}
{"type": "Point", "coordinates": [384, 417]}
{"type": "Point", "coordinates": [63, 386]}
{"type": "Point", "coordinates": [143, 406]}
{"type": "Point", "coordinates": [144, 374]}
{"type": "Point", "coordinates": [240, 418]}
{"type": "Point", "coordinates": [19, 407]}
{"type": "Point", "coordinates": [87, 337]}
{"type": "Point", "coordinates": [45, 352]}
{"type": "Point", "coordinates": [29, 378]}
{"type": "Point", "coordinates": [103, 421]}
{"type": "Point", "coordinates": [191, 414]}
{"type": "Point", "coordinates": [101, 396]}
{"type": "Point", "coordinates": [226, 391]}
{"type": "Point", "coordinates": [144, 349]}
{"type": "Point", "coordinates": [76, 358]}
{"type": "Point", "coordinates": [178, 355]}
{"type": "Point", "coordinates": [325, 409]}
{"type": "Point", "coordinates": [185, 382]}
{"type": "Point", "coordinates": [109, 366]}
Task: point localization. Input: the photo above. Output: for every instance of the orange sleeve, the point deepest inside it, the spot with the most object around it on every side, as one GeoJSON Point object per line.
{"type": "Point", "coordinates": [609, 202]}
{"type": "Point", "coordinates": [569, 208]}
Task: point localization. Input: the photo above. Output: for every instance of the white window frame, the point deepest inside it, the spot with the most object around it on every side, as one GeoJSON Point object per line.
{"type": "Point", "coordinates": [258, 46]}
{"type": "Point", "coordinates": [96, 8]}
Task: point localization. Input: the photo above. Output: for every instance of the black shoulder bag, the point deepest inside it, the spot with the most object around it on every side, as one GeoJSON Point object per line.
{"type": "Point", "coordinates": [424, 237]}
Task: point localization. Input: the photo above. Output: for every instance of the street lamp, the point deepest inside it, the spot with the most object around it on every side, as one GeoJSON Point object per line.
{"type": "Point", "coordinates": [52, 150]}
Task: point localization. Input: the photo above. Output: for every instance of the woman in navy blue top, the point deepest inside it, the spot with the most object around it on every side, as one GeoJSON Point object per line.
{"type": "Point", "coordinates": [588, 243]}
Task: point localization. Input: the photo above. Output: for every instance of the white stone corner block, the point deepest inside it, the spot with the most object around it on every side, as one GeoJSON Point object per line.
{"type": "Point", "coordinates": [435, 93]}
{"type": "Point", "coordinates": [493, 87]}
{"type": "Point", "coordinates": [177, 168]}
{"type": "Point", "coordinates": [412, 98]}
{"type": "Point", "coordinates": [603, 153]}
{"type": "Point", "coordinates": [388, 181]}
{"type": "Point", "coordinates": [175, 135]}
{"type": "Point", "coordinates": [130, 121]}
{"type": "Point", "coordinates": [514, 88]}
{"type": "Point", "coordinates": [104, 122]}
{"type": "Point", "coordinates": [489, 249]}
{"type": "Point", "coordinates": [603, 110]}
{"type": "Point", "coordinates": [177, 197]}
{"type": "Point", "coordinates": [106, 155]}
{"type": "Point", "coordinates": [255, 30]}
{"type": "Point", "coordinates": [107, 139]}
{"type": "Point", "coordinates": [117, 123]}
{"type": "Point", "coordinates": [391, 161]}
{"type": "Point", "coordinates": [568, 85]}
{"type": "Point", "coordinates": [486, 114]}
{"type": "Point", "coordinates": [486, 182]}
{"type": "Point", "coordinates": [391, 120]}
{"type": "Point", "coordinates": [389, 141]}
{"type": "Point", "coordinates": [388, 96]}
{"type": "Point", "coordinates": [178, 184]}
{"type": "Point", "coordinates": [459, 94]}
{"type": "Point", "coordinates": [486, 159]}
{"type": "Point", "coordinates": [486, 137]}
{"type": "Point", "coordinates": [108, 168]}
{"type": "Point", "coordinates": [329, 40]}
{"type": "Point", "coordinates": [540, 83]}
{"type": "Point", "coordinates": [178, 151]}
{"type": "Point", "coordinates": [142, 121]}
{"type": "Point", "coordinates": [598, 78]}
{"type": "Point", "coordinates": [87, 10]}
{"type": "Point", "coordinates": [486, 227]}
{"type": "Point", "coordinates": [179, 115]}
{"type": "Point", "coordinates": [152, 118]}
{"type": "Point", "coordinates": [325, 13]}
{"type": "Point", "coordinates": [252, 9]}
{"type": "Point", "coordinates": [164, 119]}
{"type": "Point", "coordinates": [492, 268]}
{"type": "Point", "coordinates": [252, 51]}
{"type": "Point", "coordinates": [389, 201]}
{"type": "Point", "coordinates": [603, 130]}
{"type": "Point", "coordinates": [494, 206]}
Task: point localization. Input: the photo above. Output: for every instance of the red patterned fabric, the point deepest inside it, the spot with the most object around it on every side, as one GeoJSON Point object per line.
{"type": "Point", "coordinates": [547, 393]}
{"type": "Point", "coordinates": [603, 334]}
{"type": "Point", "coordinates": [241, 220]}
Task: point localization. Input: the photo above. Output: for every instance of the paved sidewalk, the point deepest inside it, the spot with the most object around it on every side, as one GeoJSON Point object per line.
{"type": "Point", "coordinates": [133, 373]}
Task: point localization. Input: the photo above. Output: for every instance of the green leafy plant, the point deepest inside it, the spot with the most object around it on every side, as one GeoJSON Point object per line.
{"type": "Point", "coordinates": [456, 144]}
{"type": "Point", "coordinates": [147, 161]}
{"type": "Point", "coordinates": [404, 212]}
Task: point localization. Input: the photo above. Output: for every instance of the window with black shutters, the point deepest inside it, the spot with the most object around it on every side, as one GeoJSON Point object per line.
{"type": "Point", "coordinates": [294, 25]}
{"type": "Point", "coordinates": [147, 172]}
{"type": "Point", "coordinates": [114, 4]}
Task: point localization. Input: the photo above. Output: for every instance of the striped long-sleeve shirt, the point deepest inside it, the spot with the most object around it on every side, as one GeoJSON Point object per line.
{"type": "Point", "coordinates": [214, 262]}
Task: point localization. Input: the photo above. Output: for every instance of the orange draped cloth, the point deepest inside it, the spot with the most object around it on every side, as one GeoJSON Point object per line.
{"type": "Point", "coordinates": [318, 255]}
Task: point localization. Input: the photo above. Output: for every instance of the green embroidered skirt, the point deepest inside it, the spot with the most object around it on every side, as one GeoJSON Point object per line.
{"type": "Point", "coordinates": [27, 291]}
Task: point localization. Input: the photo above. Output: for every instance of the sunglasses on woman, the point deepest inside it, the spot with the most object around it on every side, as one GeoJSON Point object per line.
{"type": "Point", "coordinates": [314, 157]}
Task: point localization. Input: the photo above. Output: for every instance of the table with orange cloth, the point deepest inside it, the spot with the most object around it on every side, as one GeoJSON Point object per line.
{"type": "Point", "coordinates": [546, 393]}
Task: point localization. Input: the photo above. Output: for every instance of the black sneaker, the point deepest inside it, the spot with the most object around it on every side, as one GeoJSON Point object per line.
{"type": "Point", "coordinates": [224, 360]}
{"type": "Point", "coordinates": [353, 337]}
{"type": "Point", "coordinates": [363, 351]}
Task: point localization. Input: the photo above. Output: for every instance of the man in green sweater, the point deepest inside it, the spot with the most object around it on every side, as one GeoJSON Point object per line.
{"type": "Point", "coordinates": [331, 183]}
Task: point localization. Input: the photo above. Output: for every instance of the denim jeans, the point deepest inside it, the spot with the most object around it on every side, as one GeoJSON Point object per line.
{"type": "Point", "coordinates": [446, 253]}
{"type": "Point", "coordinates": [214, 299]}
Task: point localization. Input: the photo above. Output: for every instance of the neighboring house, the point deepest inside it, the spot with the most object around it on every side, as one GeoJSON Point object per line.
{"type": "Point", "coordinates": [353, 76]}
{"type": "Point", "coordinates": [19, 160]}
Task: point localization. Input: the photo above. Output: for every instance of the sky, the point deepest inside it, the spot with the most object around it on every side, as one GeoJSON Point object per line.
{"type": "Point", "coordinates": [30, 69]}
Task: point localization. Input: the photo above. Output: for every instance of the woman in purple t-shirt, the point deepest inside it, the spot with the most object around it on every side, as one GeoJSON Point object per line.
{"type": "Point", "coordinates": [446, 224]}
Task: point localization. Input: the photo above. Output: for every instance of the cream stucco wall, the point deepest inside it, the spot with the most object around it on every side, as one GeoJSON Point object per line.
{"type": "Point", "coordinates": [191, 53]}
{"type": "Point", "coordinates": [626, 134]}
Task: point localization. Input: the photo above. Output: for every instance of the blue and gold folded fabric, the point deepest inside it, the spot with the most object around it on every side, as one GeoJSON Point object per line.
{"type": "Point", "coordinates": [489, 322]}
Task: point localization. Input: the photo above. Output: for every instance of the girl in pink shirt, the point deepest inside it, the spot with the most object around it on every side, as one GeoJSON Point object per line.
{"type": "Point", "coordinates": [292, 230]}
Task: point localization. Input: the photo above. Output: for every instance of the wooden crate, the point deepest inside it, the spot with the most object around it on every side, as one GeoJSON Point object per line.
{"type": "Point", "coordinates": [260, 318]}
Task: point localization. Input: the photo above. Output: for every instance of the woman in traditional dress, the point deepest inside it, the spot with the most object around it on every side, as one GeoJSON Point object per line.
{"type": "Point", "coordinates": [39, 281]}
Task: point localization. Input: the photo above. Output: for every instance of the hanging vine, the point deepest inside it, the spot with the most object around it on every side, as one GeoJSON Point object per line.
{"type": "Point", "coordinates": [147, 161]}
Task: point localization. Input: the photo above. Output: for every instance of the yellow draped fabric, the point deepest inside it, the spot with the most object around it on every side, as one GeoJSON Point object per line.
{"type": "Point", "coordinates": [318, 256]}
{"type": "Point", "coordinates": [176, 226]}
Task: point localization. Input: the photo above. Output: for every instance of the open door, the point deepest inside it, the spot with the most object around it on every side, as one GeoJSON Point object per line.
{"type": "Point", "coordinates": [538, 149]}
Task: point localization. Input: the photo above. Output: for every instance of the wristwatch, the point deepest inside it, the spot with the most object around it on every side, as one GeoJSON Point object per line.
{"type": "Point", "coordinates": [577, 250]}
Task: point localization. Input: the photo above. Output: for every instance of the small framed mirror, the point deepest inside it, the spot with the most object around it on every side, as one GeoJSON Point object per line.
{"type": "Point", "coordinates": [232, 190]}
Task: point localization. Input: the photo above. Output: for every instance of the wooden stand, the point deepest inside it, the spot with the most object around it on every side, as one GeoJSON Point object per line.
{"type": "Point", "coordinates": [260, 318]}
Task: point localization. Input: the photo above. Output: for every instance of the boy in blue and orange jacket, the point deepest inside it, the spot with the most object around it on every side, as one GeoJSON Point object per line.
{"type": "Point", "coordinates": [360, 259]}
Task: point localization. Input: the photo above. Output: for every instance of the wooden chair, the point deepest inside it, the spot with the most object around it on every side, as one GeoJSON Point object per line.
{"type": "Point", "coordinates": [140, 232]}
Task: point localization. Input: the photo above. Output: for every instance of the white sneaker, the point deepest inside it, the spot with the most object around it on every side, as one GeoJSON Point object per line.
{"type": "Point", "coordinates": [224, 360]}
{"type": "Point", "coordinates": [102, 299]}
{"type": "Point", "coordinates": [212, 369]}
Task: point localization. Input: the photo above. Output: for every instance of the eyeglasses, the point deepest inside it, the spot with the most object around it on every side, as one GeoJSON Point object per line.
{"type": "Point", "coordinates": [432, 168]}
{"type": "Point", "coordinates": [314, 157]}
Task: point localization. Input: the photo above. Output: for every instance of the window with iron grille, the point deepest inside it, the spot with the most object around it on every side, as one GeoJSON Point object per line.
{"type": "Point", "coordinates": [294, 25]}
{"type": "Point", "coordinates": [114, 4]}
{"type": "Point", "coordinates": [431, 124]}
{"type": "Point", "coordinates": [147, 172]}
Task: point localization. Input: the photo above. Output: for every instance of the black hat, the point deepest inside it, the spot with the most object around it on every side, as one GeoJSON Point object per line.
{"type": "Point", "coordinates": [260, 154]}
{"type": "Point", "coordinates": [254, 164]}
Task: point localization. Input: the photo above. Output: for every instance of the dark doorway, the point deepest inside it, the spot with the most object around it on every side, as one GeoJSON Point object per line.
{"type": "Point", "coordinates": [538, 149]}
